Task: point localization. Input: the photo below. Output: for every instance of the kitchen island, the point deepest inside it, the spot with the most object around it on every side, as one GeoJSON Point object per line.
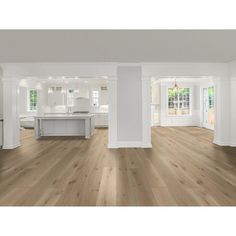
{"type": "Point", "coordinates": [64, 125]}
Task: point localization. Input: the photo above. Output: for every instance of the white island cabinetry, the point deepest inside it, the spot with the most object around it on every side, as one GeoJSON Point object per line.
{"type": "Point", "coordinates": [64, 125]}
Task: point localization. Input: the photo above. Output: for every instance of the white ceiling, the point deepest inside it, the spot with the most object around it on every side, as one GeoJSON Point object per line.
{"type": "Point", "coordinates": [117, 45]}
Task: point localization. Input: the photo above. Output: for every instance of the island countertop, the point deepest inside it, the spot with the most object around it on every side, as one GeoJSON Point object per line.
{"type": "Point", "coordinates": [64, 116]}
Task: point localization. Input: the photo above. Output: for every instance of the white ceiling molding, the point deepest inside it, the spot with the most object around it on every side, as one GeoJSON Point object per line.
{"type": "Point", "coordinates": [59, 69]}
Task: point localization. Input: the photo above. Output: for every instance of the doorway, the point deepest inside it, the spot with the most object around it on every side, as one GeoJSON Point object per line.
{"type": "Point", "coordinates": [208, 107]}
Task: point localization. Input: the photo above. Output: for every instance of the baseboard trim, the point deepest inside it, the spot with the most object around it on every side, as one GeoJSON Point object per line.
{"type": "Point", "coordinates": [111, 145]}
{"type": "Point", "coordinates": [11, 146]}
{"type": "Point", "coordinates": [122, 144]}
{"type": "Point", "coordinates": [146, 145]}
{"type": "Point", "coordinates": [223, 144]}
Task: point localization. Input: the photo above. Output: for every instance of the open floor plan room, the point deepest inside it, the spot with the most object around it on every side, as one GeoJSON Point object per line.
{"type": "Point", "coordinates": [88, 120]}
{"type": "Point", "coordinates": [183, 168]}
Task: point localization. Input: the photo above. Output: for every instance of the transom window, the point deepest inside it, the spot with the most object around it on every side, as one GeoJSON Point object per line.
{"type": "Point", "coordinates": [179, 101]}
{"type": "Point", "coordinates": [32, 99]}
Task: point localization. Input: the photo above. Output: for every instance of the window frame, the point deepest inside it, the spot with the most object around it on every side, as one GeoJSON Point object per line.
{"type": "Point", "coordinates": [28, 100]}
{"type": "Point", "coordinates": [190, 102]}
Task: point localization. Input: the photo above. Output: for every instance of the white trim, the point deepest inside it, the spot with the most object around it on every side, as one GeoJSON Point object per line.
{"type": "Point", "coordinates": [95, 69]}
{"type": "Point", "coordinates": [225, 144]}
{"type": "Point", "coordinates": [128, 64]}
{"type": "Point", "coordinates": [146, 112]}
{"type": "Point", "coordinates": [112, 114]}
{"type": "Point", "coordinates": [12, 146]}
{"type": "Point", "coordinates": [129, 144]}
{"type": "Point", "coordinates": [11, 124]}
{"type": "Point", "coordinates": [146, 145]}
{"type": "Point", "coordinates": [220, 143]}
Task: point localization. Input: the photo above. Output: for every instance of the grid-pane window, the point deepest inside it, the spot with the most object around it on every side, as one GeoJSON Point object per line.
{"type": "Point", "coordinates": [95, 98]}
{"type": "Point", "coordinates": [179, 101]}
{"type": "Point", "coordinates": [211, 97]}
{"type": "Point", "coordinates": [32, 100]}
{"type": "Point", "coordinates": [211, 110]}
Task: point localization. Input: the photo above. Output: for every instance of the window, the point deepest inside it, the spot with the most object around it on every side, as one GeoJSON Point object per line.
{"type": "Point", "coordinates": [211, 110]}
{"type": "Point", "coordinates": [211, 97]}
{"type": "Point", "coordinates": [95, 98]}
{"type": "Point", "coordinates": [178, 101]}
{"type": "Point", "coordinates": [32, 100]}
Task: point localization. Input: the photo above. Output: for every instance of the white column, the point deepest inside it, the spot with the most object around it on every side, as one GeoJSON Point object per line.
{"type": "Point", "coordinates": [112, 117]}
{"type": "Point", "coordinates": [146, 112]}
{"type": "Point", "coordinates": [233, 112]}
{"type": "Point", "coordinates": [11, 134]}
{"type": "Point", "coordinates": [163, 102]}
{"type": "Point", "coordinates": [222, 111]}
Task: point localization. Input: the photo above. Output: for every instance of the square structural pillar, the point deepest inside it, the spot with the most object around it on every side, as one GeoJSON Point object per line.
{"type": "Point", "coordinates": [112, 115]}
{"type": "Point", "coordinates": [222, 111]}
{"type": "Point", "coordinates": [11, 126]}
{"type": "Point", "coordinates": [146, 112]}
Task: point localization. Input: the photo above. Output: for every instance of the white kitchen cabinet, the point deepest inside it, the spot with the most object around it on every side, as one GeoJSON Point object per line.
{"type": "Point", "coordinates": [57, 98]}
{"type": "Point", "coordinates": [101, 119]}
{"type": "Point", "coordinates": [104, 97]}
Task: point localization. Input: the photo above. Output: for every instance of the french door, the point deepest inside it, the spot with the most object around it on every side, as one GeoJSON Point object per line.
{"type": "Point", "coordinates": [208, 108]}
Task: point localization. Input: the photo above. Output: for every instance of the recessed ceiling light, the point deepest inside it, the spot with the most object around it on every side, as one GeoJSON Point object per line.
{"type": "Point", "coordinates": [86, 81]}
{"type": "Point", "coordinates": [50, 77]}
{"type": "Point", "coordinates": [105, 77]}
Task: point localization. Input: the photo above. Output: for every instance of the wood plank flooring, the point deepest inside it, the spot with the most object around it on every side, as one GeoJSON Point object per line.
{"type": "Point", "coordinates": [183, 168]}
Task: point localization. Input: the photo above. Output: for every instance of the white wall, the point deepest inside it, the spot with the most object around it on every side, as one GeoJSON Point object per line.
{"type": "Point", "coordinates": [187, 120]}
{"type": "Point", "coordinates": [129, 104]}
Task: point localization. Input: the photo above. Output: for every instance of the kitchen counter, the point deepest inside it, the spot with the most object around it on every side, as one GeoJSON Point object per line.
{"type": "Point", "coordinates": [64, 125]}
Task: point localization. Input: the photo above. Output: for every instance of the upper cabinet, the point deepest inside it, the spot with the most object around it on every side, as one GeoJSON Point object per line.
{"type": "Point", "coordinates": [104, 95]}
{"type": "Point", "coordinates": [56, 96]}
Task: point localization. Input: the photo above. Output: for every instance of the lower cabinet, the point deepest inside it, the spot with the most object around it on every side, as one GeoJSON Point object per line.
{"type": "Point", "coordinates": [101, 119]}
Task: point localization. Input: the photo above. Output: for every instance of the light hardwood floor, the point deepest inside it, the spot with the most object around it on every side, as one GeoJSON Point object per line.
{"type": "Point", "coordinates": [183, 168]}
